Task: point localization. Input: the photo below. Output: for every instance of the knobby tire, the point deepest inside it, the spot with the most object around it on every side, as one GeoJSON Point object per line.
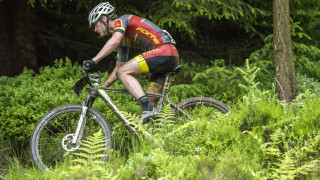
{"type": "Point", "coordinates": [212, 106]}
{"type": "Point", "coordinates": [46, 140]}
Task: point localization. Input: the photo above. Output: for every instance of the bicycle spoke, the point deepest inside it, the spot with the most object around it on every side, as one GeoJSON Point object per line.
{"type": "Point", "coordinates": [53, 140]}
{"type": "Point", "coordinates": [58, 141]}
{"type": "Point", "coordinates": [53, 159]}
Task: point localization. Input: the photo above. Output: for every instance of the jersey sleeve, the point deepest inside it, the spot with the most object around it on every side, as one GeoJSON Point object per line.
{"type": "Point", "coordinates": [121, 23]}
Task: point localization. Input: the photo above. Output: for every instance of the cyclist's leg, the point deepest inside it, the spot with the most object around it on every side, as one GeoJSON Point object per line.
{"type": "Point", "coordinates": [157, 60]}
{"type": "Point", "coordinates": [125, 75]}
{"type": "Point", "coordinates": [155, 86]}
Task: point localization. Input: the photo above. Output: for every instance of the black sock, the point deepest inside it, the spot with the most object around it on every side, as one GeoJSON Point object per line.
{"type": "Point", "coordinates": [145, 104]}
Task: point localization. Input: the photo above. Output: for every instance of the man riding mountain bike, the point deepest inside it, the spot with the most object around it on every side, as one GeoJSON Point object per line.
{"type": "Point", "coordinates": [160, 54]}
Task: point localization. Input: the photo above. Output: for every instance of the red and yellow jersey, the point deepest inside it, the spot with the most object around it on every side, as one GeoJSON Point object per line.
{"type": "Point", "coordinates": [139, 33]}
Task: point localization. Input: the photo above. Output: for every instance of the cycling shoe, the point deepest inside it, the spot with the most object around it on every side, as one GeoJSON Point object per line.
{"type": "Point", "coordinates": [146, 115]}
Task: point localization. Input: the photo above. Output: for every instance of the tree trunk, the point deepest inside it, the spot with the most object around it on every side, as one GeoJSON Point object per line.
{"type": "Point", "coordinates": [17, 32]}
{"type": "Point", "coordinates": [285, 73]}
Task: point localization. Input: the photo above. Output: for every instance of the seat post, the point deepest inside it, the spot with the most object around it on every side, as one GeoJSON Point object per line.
{"type": "Point", "coordinates": [165, 89]}
{"type": "Point", "coordinates": [167, 84]}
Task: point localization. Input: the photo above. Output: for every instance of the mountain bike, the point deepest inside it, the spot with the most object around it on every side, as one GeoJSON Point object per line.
{"type": "Point", "coordinates": [62, 129]}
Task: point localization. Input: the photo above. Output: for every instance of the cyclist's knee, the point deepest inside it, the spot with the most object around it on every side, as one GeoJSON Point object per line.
{"type": "Point", "coordinates": [128, 69]}
{"type": "Point", "coordinates": [121, 72]}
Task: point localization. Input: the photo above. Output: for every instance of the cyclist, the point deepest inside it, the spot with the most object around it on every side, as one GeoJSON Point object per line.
{"type": "Point", "coordinates": [160, 54]}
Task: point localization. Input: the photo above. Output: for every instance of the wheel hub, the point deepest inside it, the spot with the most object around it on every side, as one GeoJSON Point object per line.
{"type": "Point", "coordinates": [67, 143]}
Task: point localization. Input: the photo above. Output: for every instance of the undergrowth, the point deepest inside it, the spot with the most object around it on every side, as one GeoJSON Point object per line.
{"type": "Point", "coordinates": [262, 138]}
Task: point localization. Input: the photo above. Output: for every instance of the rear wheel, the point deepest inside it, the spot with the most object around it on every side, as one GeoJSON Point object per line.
{"type": "Point", "coordinates": [201, 107]}
{"type": "Point", "coordinates": [51, 140]}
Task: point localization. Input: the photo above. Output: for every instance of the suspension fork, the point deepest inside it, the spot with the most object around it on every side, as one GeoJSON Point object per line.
{"type": "Point", "coordinates": [83, 118]}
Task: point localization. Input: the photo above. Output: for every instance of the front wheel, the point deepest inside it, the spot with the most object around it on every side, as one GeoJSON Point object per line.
{"type": "Point", "coordinates": [201, 107]}
{"type": "Point", "coordinates": [51, 140]}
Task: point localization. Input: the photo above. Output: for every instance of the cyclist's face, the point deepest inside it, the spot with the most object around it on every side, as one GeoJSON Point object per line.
{"type": "Point", "coordinates": [101, 29]}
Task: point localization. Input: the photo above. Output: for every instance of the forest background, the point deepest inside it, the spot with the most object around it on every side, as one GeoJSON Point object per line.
{"type": "Point", "coordinates": [214, 39]}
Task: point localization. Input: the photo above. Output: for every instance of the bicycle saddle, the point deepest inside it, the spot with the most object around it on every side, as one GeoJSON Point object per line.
{"type": "Point", "coordinates": [176, 70]}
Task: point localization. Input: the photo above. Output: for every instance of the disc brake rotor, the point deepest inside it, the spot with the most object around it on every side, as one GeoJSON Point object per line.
{"type": "Point", "coordinates": [67, 143]}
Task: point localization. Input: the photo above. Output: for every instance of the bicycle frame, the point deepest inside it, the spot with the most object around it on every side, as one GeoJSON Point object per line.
{"type": "Point", "coordinates": [95, 90]}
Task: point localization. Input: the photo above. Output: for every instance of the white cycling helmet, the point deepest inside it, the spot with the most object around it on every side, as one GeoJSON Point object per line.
{"type": "Point", "coordinates": [101, 9]}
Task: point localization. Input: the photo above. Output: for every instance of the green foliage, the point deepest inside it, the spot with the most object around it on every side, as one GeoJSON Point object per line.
{"type": "Point", "coordinates": [286, 168]}
{"type": "Point", "coordinates": [84, 165]}
{"type": "Point", "coordinates": [237, 11]}
{"type": "Point", "coordinates": [253, 93]}
{"type": "Point", "coordinates": [27, 97]}
{"type": "Point", "coordinates": [89, 162]}
{"type": "Point", "coordinates": [234, 164]}
{"type": "Point", "coordinates": [306, 105]}
{"type": "Point", "coordinates": [211, 148]}
{"type": "Point", "coordinates": [307, 12]}
{"type": "Point", "coordinates": [208, 23]}
{"type": "Point", "coordinates": [217, 81]}
{"type": "Point", "coordinates": [284, 154]}
{"type": "Point", "coordinates": [306, 57]}
{"type": "Point", "coordinates": [46, 3]}
{"type": "Point", "coordinates": [261, 139]}
{"type": "Point", "coordinates": [280, 141]}
{"type": "Point", "coordinates": [256, 112]}
{"type": "Point", "coordinates": [91, 152]}
{"type": "Point", "coordinates": [198, 26]}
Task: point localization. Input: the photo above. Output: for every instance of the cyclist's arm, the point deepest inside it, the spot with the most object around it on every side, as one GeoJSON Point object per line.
{"type": "Point", "coordinates": [113, 77]}
{"type": "Point", "coordinates": [109, 47]}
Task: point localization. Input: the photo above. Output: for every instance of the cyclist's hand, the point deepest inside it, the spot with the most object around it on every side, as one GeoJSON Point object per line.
{"type": "Point", "coordinates": [88, 65]}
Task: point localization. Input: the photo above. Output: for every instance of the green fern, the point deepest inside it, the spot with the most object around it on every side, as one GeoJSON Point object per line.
{"type": "Point", "coordinates": [108, 174]}
{"type": "Point", "coordinates": [134, 121]}
{"type": "Point", "coordinates": [286, 168]}
{"type": "Point", "coordinates": [284, 160]}
{"type": "Point", "coordinates": [89, 159]}
{"type": "Point", "coordinates": [164, 120]}
{"type": "Point", "coordinates": [92, 150]}
{"type": "Point", "coordinates": [160, 128]}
